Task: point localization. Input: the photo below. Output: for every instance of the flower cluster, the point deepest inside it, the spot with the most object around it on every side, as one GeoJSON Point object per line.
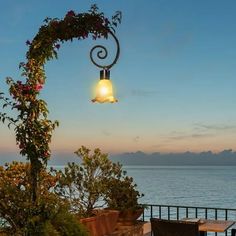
{"type": "Point", "coordinates": [21, 89]}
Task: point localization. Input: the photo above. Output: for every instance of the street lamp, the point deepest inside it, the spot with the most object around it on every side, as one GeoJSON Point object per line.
{"type": "Point", "coordinates": [104, 89]}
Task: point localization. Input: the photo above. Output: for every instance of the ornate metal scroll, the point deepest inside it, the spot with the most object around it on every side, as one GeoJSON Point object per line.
{"type": "Point", "coordinates": [102, 53]}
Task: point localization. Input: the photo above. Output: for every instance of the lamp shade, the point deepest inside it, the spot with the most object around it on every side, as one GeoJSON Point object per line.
{"type": "Point", "coordinates": [104, 90]}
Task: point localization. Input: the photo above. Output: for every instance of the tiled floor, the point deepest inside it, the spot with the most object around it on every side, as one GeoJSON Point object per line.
{"type": "Point", "coordinates": [147, 229]}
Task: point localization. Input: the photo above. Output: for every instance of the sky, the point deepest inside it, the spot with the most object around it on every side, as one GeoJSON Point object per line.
{"type": "Point", "coordinates": [175, 79]}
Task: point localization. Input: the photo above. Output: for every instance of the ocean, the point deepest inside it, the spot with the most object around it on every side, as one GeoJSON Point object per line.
{"type": "Point", "coordinates": [200, 186]}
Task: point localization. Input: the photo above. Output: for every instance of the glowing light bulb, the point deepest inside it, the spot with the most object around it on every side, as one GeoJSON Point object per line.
{"type": "Point", "coordinates": [104, 90]}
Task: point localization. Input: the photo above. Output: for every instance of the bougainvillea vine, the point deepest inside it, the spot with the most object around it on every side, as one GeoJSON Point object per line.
{"type": "Point", "coordinates": [32, 126]}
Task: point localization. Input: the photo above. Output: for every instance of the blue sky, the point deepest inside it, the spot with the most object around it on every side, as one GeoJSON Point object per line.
{"type": "Point", "coordinates": [175, 79]}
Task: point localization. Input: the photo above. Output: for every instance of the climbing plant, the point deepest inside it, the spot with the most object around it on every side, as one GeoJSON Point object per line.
{"type": "Point", "coordinates": [32, 126]}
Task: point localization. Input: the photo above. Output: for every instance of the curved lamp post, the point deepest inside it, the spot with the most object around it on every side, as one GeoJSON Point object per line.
{"type": "Point", "coordinates": [104, 89]}
{"type": "Point", "coordinates": [32, 127]}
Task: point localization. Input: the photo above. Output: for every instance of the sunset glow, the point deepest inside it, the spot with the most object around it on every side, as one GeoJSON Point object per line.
{"type": "Point", "coordinates": [175, 79]}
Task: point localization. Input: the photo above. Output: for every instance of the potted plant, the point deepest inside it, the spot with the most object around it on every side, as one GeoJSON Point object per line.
{"type": "Point", "coordinates": [122, 195]}
{"type": "Point", "coordinates": [84, 185]}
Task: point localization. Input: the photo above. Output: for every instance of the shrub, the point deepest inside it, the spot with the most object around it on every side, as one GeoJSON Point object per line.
{"type": "Point", "coordinates": [48, 216]}
{"type": "Point", "coordinates": [121, 194]}
{"type": "Point", "coordinates": [58, 223]}
{"type": "Point", "coordinates": [84, 184]}
{"type": "Point", "coordinates": [97, 182]}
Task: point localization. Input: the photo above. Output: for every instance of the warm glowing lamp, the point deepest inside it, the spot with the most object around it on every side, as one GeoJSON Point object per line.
{"type": "Point", "coordinates": [104, 90]}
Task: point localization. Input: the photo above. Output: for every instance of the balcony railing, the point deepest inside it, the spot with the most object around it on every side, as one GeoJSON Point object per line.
{"type": "Point", "coordinates": [172, 212]}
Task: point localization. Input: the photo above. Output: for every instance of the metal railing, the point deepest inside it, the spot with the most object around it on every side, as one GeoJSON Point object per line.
{"type": "Point", "coordinates": [173, 212]}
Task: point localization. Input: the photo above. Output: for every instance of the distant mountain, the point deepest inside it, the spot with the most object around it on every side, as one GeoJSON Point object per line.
{"type": "Point", "coordinates": [226, 157]}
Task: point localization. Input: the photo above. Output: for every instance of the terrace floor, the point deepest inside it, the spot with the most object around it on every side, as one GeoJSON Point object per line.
{"type": "Point", "coordinates": [140, 229]}
{"type": "Point", "coordinates": [147, 229]}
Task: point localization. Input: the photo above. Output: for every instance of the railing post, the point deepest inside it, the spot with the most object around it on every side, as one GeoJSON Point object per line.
{"type": "Point", "coordinates": [233, 232]}
{"type": "Point", "coordinates": [206, 213]}
{"type": "Point", "coordinates": [177, 212]}
{"type": "Point", "coordinates": [143, 215]}
{"type": "Point", "coordinates": [216, 216]}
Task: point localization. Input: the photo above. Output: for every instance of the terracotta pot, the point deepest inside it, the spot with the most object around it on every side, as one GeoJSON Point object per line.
{"type": "Point", "coordinates": [108, 219]}
{"type": "Point", "coordinates": [129, 216]}
{"type": "Point", "coordinates": [93, 225]}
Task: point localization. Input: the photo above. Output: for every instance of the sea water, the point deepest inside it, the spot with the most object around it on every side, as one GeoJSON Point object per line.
{"type": "Point", "coordinates": [204, 186]}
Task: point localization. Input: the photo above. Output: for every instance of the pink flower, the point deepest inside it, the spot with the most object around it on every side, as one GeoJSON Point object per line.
{"type": "Point", "coordinates": [106, 21]}
{"type": "Point", "coordinates": [26, 88]}
{"type": "Point", "coordinates": [70, 13]}
{"type": "Point", "coordinates": [57, 46]}
{"type": "Point", "coordinates": [84, 35]}
{"type": "Point", "coordinates": [46, 154]}
{"type": "Point", "coordinates": [18, 106]}
{"type": "Point", "coordinates": [98, 25]}
{"type": "Point", "coordinates": [38, 87]}
{"type": "Point", "coordinates": [54, 23]}
{"type": "Point", "coordinates": [28, 42]}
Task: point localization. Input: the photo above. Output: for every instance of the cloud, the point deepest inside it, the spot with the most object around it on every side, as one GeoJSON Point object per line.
{"type": "Point", "coordinates": [143, 93]}
{"type": "Point", "coordinates": [106, 133]}
{"type": "Point", "coordinates": [215, 127]}
{"type": "Point", "coordinates": [200, 131]}
{"type": "Point", "coordinates": [160, 145]}
{"type": "Point", "coordinates": [181, 136]}
{"type": "Point", "coordinates": [140, 93]}
{"type": "Point", "coordinates": [201, 135]}
{"type": "Point", "coordinates": [136, 139]}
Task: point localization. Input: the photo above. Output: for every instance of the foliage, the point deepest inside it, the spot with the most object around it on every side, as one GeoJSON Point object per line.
{"type": "Point", "coordinates": [122, 194]}
{"type": "Point", "coordinates": [15, 192]}
{"type": "Point", "coordinates": [60, 223]}
{"type": "Point", "coordinates": [21, 216]}
{"type": "Point", "coordinates": [97, 180]}
{"type": "Point", "coordinates": [84, 184]}
{"type": "Point", "coordinates": [79, 188]}
{"type": "Point", "coordinates": [32, 127]}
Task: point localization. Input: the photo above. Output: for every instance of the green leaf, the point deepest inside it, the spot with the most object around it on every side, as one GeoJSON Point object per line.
{"type": "Point", "coordinates": [4, 105]}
